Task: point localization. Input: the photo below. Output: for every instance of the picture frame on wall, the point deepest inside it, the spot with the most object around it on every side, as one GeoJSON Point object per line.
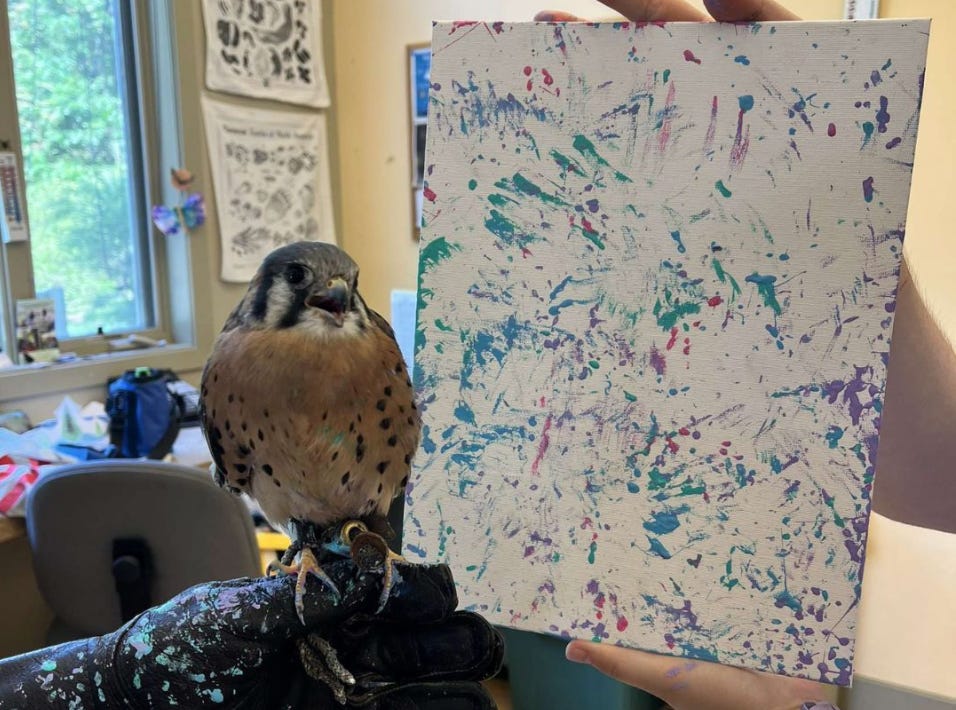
{"type": "Point", "coordinates": [419, 73]}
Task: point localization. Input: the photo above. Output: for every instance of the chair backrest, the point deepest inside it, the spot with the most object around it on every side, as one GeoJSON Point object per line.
{"type": "Point", "coordinates": [195, 532]}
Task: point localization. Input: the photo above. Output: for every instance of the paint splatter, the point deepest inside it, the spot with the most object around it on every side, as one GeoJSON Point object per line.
{"type": "Point", "coordinates": [689, 57]}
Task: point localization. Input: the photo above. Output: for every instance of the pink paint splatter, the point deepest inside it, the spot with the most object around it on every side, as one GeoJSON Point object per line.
{"type": "Point", "coordinates": [666, 121]}
{"type": "Point", "coordinates": [529, 85]}
{"type": "Point", "coordinates": [458, 24]}
{"type": "Point", "coordinates": [429, 194]}
{"type": "Point", "coordinates": [689, 56]}
{"type": "Point", "coordinates": [714, 301]}
{"type": "Point", "coordinates": [527, 71]}
{"type": "Point", "coordinates": [542, 446]}
{"type": "Point", "coordinates": [712, 127]}
{"type": "Point", "coordinates": [831, 130]}
{"type": "Point", "coordinates": [738, 150]}
{"type": "Point", "coordinates": [621, 624]}
{"type": "Point", "coordinates": [687, 346]}
{"type": "Point", "coordinates": [670, 343]}
{"type": "Point", "coordinates": [548, 79]}
{"type": "Point", "coordinates": [587, 226]}
{"type": "Point", "coordinates": [657, 361]}
{"type": "Point", "coordinates": [672, 445]}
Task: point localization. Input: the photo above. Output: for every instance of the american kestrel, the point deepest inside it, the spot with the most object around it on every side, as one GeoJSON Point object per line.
{"type": "Point", "coordinates": [307, 405]}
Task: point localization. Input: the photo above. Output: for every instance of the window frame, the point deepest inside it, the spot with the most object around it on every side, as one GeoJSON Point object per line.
{"type": "Point", "coordinates": [154, 58]}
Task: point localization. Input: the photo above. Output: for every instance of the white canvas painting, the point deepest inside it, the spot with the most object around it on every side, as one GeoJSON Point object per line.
{"type": "Point", "coordinates": [271, 177]}
{"type": "Point", "coordinates": [657, 284]}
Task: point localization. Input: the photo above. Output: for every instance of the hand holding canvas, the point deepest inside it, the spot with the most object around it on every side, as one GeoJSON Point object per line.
{"type": "Point", "coordinates": [686, 683]}
{"type": "Point", "coordinates": [232, 645]}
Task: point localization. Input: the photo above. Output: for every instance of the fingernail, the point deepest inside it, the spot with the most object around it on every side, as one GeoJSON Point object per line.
{"type": "Point", "coordinates": [576, 653]}
{"type": "Point", "coordinates": [544, 16]}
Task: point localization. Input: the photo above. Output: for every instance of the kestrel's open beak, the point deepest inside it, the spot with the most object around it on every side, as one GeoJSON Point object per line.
{"type": "Point", "coordinates": [333, 299]}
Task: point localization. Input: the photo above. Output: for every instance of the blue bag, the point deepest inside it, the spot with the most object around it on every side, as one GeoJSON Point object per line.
{"type": "Point", "coordinates": [144, 414]}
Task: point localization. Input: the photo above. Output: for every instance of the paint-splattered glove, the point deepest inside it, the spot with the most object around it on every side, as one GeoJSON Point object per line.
{"type": "Point", "coordinates": [233, 645]}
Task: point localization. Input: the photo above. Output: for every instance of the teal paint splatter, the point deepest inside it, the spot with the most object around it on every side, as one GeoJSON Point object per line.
{"type": "Point", "coordinates": [722, 189]}
{"type": "Point", "coordinates": [667, 319]}
{"type": "Point", "coordinates": [565, 163]}
{"type": "Point", "coordinates": [786, 599]}
{"type": "Point", "coordinates": [723, 276]}
{"type": "Point", "coordinates": [435, 252]}
{"type": "Point", "coordinates": [867, 133]}
{"type": "Point", "coordinates": [49, 666]}
{"type": "Point", "coordinates": [472, 184]}
{"type": "Point", "coordinates": [833, 436]}
{"type": "Point", "coordinates": [667, 75]}
{"type": "Point", "coordinates": [746, 102]}
{"type": "Point", "coordinates": [658, 549]}
{"type": "Point", "coordinates": [500, 200]}
{"type": "Point", "coordinates": [765, 287]}
{"type": "Point", "coordinates": [586, 148]}
{"type": "Point", "coordinates": [592, 552]}
{"type": "Point", "coordinates": [675, 235]}
{"type": "Point", "coordinates": [529, 188]}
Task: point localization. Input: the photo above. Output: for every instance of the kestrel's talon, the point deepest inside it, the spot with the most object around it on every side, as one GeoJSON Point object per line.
{"type": "Point", "coordinates": [369, 550]}
{"type": "Point", "coordinates": [321, 662]}
{"type": "Point", "coordinates": [309, 565]}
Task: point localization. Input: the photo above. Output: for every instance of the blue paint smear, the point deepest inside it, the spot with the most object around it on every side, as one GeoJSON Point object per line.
{"type": "Point", "coordinates": [746, 102]}
{"type": "Point", "coordinates": [742, 59]}
{"type": "Point", "coordinates": [657, 548]}
{"type": "Point", "coordinates": [463, 413]}
{"type": "Point", "coordinates": [675, 235]}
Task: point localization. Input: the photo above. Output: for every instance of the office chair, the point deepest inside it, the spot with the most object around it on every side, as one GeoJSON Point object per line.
{"type": "Point", "coordinates": [113, 537]}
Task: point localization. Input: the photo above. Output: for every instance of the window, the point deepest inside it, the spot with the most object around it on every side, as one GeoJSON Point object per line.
{"type": "Point", "coordinates": [90, 111]}
{"type": "Point", "coordinates": [78, 109]}
{"type": "Point", "coordinates": [77, 103]}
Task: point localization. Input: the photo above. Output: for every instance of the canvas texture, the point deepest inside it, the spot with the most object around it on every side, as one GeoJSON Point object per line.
{"type": "Point", "coordinates": [657, 282]}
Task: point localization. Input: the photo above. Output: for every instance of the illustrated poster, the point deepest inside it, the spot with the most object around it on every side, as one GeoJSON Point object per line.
{"type": "Point", "coordinates": [268, 50]}
{"type": "Point", "coordinates": [271, 177]}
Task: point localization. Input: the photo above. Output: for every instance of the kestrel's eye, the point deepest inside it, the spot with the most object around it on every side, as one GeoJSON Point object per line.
{"type": "Point", "coordinates": [298, 275]}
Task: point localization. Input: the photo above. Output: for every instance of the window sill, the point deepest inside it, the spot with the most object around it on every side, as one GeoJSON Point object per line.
{"type": "Point", "coordinates": [25, 382]}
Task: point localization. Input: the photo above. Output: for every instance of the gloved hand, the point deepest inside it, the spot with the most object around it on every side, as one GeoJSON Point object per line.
{"type": "Point", "coordinates": [232, 645]}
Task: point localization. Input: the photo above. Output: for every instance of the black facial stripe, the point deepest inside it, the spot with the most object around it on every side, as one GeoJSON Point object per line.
{"type": "Point", "coordinates": [260, 304]}
{"type": "Point", "coordinates": [296, 306]}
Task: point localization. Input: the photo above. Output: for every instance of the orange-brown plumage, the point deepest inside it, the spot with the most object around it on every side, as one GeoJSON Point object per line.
{"type": "Point", "coordinates": [313, 416]}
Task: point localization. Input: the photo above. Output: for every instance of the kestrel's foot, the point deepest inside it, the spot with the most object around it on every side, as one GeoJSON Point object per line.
{"type": "Point", "coordinates": [307, 565]}
{"type": "Point", "coordinates": [322, 664]}
{"type": "Point", "coordinates": [370, 551]}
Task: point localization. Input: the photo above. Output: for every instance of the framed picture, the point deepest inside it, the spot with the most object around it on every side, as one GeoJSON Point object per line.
{"type": "Point", "coordinates": [419, 82]}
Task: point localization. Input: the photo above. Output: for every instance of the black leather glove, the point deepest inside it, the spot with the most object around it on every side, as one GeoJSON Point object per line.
{"type": "Point", "coordinates": [233, 645]}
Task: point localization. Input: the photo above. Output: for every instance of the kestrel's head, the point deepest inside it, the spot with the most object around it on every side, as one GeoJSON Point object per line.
{"type": "Point", "coordinates": [310, 286]}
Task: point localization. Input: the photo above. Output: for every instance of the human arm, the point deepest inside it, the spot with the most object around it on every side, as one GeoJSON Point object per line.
{"type": "Point", "coordinates": [232, 645]}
